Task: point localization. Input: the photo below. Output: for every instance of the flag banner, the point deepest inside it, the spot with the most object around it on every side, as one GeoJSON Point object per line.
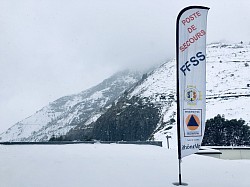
{"type": "Point", "coordinates": [191, 78]}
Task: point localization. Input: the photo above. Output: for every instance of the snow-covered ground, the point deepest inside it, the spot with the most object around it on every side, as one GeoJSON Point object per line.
{"type": "Point", "coordinates": [113, 165]}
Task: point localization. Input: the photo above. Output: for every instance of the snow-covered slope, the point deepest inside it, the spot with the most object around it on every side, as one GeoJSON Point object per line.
{"type": "Point", "coordinates": [228, 87]}
{"type": "Point", "coordinates": [228, 81]}
{"type": "Point", "coordinates": [65, 113]}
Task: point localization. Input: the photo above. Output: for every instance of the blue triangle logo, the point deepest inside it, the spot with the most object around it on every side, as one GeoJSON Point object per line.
{"type": "Point", "coordinates": [192, 122]}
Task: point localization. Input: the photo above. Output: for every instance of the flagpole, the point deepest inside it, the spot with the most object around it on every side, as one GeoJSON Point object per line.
{"type": "Point", "coordinates": [178, 119]}
{"type": "Point", "coordinates": [178, 111]}
{"type": "Point", "coordinates": [180, 172]}
{"type": "Point", "coordinates": [178, 98]}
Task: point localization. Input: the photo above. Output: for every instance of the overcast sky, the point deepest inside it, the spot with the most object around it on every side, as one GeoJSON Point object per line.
{"type": "Point", "coordinates": [52, 48]}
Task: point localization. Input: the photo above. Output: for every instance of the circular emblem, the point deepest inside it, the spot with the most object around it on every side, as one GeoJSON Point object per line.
{"type": "Point", "coordinates": [192, 122]}
{"type": "Point", "coordinates": [191, 95]}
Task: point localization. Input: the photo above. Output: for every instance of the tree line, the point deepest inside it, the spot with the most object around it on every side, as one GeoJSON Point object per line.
{"type": "Point", "coordinates": [223, 132]}
{"type": "Point", "coordinates": [219, 132]}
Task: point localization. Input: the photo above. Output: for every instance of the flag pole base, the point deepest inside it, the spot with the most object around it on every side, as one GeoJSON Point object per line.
{"type": "Point", "coordinates": [182, 184]}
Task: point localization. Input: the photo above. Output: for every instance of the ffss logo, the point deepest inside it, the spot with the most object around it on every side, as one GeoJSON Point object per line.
{"type": "Point", "coordinates": [193, 61]}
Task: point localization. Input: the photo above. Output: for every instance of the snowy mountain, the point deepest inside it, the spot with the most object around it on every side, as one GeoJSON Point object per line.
{"type": "Point", "coordinates": [65, 113]}
{"type": "Point", "coordinates": [148, 109]}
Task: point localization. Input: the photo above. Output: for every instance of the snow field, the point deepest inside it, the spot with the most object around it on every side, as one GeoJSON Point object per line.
{"type": "Point", "coordinates": [113, 165]}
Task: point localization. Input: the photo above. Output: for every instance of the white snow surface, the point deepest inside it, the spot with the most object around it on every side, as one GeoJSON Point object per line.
{"type": "Point", "coordinates": [113, 165]}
